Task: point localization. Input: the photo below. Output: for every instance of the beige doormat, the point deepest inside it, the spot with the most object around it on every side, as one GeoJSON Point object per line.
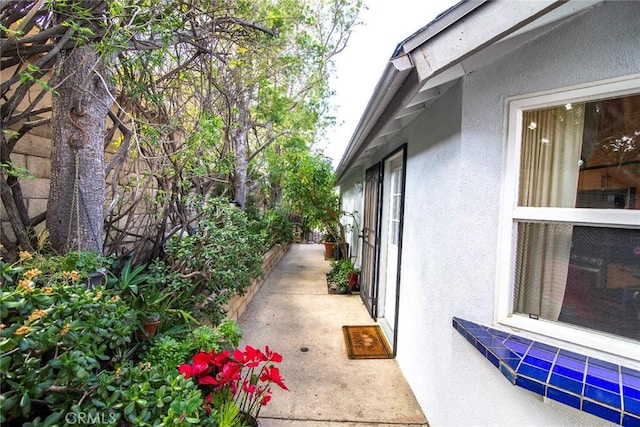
{"type": "Point", "coordinates": [366, 342]}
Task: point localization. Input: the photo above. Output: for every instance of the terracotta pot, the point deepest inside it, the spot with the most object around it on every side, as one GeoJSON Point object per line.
{"type": "Point", "coordinates": [150, 328]}
{"type": "Point", "coordinates": [328, 250]}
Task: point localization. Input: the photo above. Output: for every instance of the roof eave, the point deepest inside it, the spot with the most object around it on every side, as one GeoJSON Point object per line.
{"type": "Point", "coordinates": [440, 47]}
{"type": "Point", "coordinates": [394, 74]}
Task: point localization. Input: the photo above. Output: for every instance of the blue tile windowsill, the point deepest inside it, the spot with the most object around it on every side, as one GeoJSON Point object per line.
{"type": "Point", "coordinates": [601, 388]}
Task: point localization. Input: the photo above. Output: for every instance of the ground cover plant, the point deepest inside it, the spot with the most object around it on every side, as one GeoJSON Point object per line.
{"type": "Point", "coordinates": [72, 353]}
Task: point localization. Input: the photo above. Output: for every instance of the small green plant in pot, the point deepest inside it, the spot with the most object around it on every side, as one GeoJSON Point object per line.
{"type": "Point", "coordinates": [329, 241]}
{"type": "Point", "coordinates": [145, 297]}
{"type": "Point", "coordinates": [341, 275]}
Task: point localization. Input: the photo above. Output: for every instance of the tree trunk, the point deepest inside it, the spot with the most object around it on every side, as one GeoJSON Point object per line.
{"type": "Point", "coordinates": [240, 145]}
{"type": "Point", "coordinates": [77, 189]}
{"type": "Point", "coordinates": [14, 214]}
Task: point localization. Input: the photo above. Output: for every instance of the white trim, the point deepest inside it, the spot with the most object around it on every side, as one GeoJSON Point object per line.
{"type": "Point", "coordinates": [579, 93]}
{"type": "Point", "coordinates": [597, 217]}
{"type": "Point", "coordinates": [614, 348]}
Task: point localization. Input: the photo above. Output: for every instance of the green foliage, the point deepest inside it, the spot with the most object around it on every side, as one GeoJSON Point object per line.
{"type": "Point", "coordinates": [11, 169]}
{"type": "Point", "coordinates": [189, 76]}
{"type": "Point", "coordinates": [144, 394]}
{"type": "Point", "coordinates": [57, 338]}
{"type": "Point", "coordinates": [220, 259]}
{"type": "Point", "coordinates": [67, 350]}
{"type": "Point", "coordinates": [278, 226]}
{"type": "Point", "coordinates": [170, 351]}
{"type": "Point", "coordinates": [141, 290]}
{"type": "Point", "coordinates": [309, 188]}
{"type": "Point", "coordinates": [80, 263]}
{"type": "Point", "coordinates": [229, 334]}
{"type": "Point", "coordinates": [340, 272]}
{"type": "Point", "coordinates": [84, 262]}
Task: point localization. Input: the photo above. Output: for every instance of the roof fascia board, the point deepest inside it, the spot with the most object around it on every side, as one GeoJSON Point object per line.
{"type": "Point", "coordinates": [383, 113]}
{"type": "Point", "coordinates": [473, 32]}
{"type": "Point", "coordinates": [394, 75]}
{"type": "Point", "coordinates": [441, 23]}
{"type": "Point", "coordinates": [433, 50]}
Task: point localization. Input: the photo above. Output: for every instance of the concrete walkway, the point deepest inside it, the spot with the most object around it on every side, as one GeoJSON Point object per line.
{"type": "Point", "coordinates": [292, 313]}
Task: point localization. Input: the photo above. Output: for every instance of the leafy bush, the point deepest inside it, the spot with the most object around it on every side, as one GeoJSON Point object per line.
{"type": "Point", "coordinates": [340, 272]}
{"type": "Point", "coordinates": [279, 227]}
{"type": "Point", "coordinates": [56, 338]}
{"type": "Point", "coordinates": [170, 351]}
{"type": "Point", "coordinates": [221, 258]}
{"type": "Point", "coordinates": [68, 354]}
{"type": "Point", "coordinates": [82, 262]}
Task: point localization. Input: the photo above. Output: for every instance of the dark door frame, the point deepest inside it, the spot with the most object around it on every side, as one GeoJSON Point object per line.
{"type": "Point", "coordinates": [401, 233]}
{"type": "Point", "coordinates": [371, 301]}
{"type": "Point", "coordinates": [371, 250]}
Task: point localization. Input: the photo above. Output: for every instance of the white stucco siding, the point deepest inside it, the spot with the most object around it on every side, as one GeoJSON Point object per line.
{"type": "Point", "coordinates": [452, 204]}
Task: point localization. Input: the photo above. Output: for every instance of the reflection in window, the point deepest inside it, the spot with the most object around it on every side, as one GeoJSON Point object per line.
{"type": "Point", "coordinates": [584, 155]}
{"type": "Point", "coordinates": [610, 173]}
{"type": "Point", "coordinates": [580, 155]}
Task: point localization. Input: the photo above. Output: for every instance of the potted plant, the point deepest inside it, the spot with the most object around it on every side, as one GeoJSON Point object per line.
{"type": "Point", "coordinates": [150, 325]}
{"type": "Point", "coordinates": [340, 275]}
{"type": "Point", "coordinates": [238, 380]}
{"type": "Point", "coordinates": [354, 280]}
{"type": "Point", "coordinates": [146, 297]}
{"type": "Point", "coordinates": [329, 241]}
{"type": "Point", "coordinates": [89, 264]}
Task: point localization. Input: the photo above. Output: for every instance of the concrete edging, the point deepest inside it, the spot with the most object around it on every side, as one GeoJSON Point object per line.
{"type": "Point", "coordinates": [238, 303]}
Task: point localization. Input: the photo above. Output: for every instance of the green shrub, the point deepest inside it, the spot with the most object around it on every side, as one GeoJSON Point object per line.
{"type": "Point", "coordinates": [57, 337]}
{"type": "Point", "coordinates": [279, 227]}
{"type": "Point", "coordinates": [221, 258]}
{"type": "Point", "coordinates": [340, 272]}
{"type": "Point", "coordinates": [68, 354]}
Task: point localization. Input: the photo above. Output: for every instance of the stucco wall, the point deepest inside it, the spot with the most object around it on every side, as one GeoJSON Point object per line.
{"type": "Point", "coordinates": [452, 211]}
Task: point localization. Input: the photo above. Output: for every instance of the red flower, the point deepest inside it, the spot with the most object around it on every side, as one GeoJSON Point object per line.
{"type": "Point", "coordinates": [230, 372]}
{"type": "Point", "coordinates": [266, 398]}
{"type": "Point", "coordinates": [185, 369]}
{"type": "Point", "coordinates": [207, 380]}
{"type": "Point", "coordinates": [247, 387]}
{"type": "Point", "coordinates": [272, 374]}
{"type": "Point", "coordinates": [247, 374]}
{"type": "Point", "coordinates": [219, 359]}
{"type": "Point", "coordinates": [201, 364]}
{"type": "Point", "coordinates": [272, 355]}
{"type": "Point", "coordinates": [251, 357]}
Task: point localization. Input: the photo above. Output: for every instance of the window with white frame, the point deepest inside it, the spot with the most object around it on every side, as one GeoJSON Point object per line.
{"type": "Point", "coordinates": [396, 200]}
{"type": "Point", "coordinates": [574, 215]}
